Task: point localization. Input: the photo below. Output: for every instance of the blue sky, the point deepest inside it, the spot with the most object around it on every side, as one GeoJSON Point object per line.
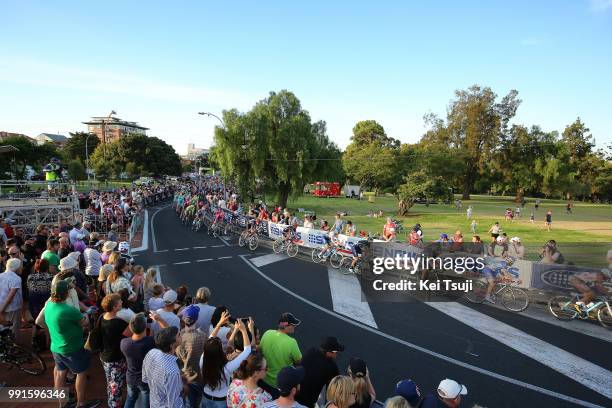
{"type": "Point", "coordinates": [160, 63]}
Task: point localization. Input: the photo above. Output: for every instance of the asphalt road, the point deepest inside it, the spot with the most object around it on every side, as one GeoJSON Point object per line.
{"type": "Point", "coordinates": [504, 359]}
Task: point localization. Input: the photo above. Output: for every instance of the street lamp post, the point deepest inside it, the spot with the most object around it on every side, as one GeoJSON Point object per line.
{"type": "Point", "coordinates": [224, 128]}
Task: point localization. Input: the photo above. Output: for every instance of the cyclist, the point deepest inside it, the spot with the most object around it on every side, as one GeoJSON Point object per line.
{"type": "Point", "coordinates": [190, 210]}
{"type": "Point", "coordinates": [357, 252]}
{"type": "Point", "coordinates": [290, 233]}
{"type": "Point", "coordinates": [591, 284]}
{"type": "Point", "coordinates": [331, 241]}
{"type": "Point", "coordinates": [495, 270]}
{"type": "Point", "coordinates": [218, 218]}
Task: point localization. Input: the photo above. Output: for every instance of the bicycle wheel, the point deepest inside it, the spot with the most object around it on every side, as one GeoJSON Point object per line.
{"type": "Point", "coordinates": [216, 231]}
{"type": "Point", "coordinates": [562, 307]}
{"type": "Point", "coordinates": [26, 360]}
{"type": "Point", "coordinates": [345, 264]}
{"type": "Point", "coordinates": [515, 299]}
{"type": "Point", "coordinates": [242, 240]}
{"type": "Point", "coordinates": [210, 229]}
{"type": "Point", "coordinates": [335, 259]}
{"type": "Point", "coordinates": [253, 242]}
{"type": "Point", "coordinates": [227, 230]}
{"type": "Point", "coordinates": [478, 292]}
{"type": "Point", "coordinates": [315, 255]}
{"type": "Point", "coordinates": [292, 250]}
{"type": "Point", "coordinates": [604, 316]}
{"type": "Point", "coordinates": [277, 246]}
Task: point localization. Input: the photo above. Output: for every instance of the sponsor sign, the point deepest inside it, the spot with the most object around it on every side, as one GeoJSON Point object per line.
{"type": "Point", "coordinates": [555, 277]}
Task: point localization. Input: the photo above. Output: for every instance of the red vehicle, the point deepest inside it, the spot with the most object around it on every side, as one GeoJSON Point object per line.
{"type": "Point", "coordinates": [326, 189]}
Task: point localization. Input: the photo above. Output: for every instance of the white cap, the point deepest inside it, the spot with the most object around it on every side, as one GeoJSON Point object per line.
{"type": "Point", "coordinates": [515, 239]}
{"type": "Point", "coordinates": [170, 297]}
{"type": "Point", "coordinates": [499, 239]}
{"type": "Point", "coordinates": [451, 389]}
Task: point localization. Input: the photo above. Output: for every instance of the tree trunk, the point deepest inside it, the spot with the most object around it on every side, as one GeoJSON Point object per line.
{"type": "Point", "coordinates": [467, 188]}
{"type": "Point", "coordinates": [283, 194]}
{"type": "Point", "coordinates": [403, 206]}
{"type": "Point", "coordinates": [520, 191]}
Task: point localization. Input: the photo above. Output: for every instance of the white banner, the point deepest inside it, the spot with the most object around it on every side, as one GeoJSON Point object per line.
{"type": "Point", "coordinates": [275, 231]}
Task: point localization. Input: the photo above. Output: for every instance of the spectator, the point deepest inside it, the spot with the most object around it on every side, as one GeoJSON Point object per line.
{"type": "Point", "coordinates": [65, 324]}
{"type": "Point", "coordinates": [50, 255]}
{"type": "Point", "coordinates": [338, 224]}
{"type": "Point", "coordinates": [499, 247]}
{"type": "Point", "coordinates": [551, 254]}
{"type": "Point", "coordinates": [350, 230]}
{"type": "Point", "coordinates": [156, 301]}
{"type": "Point", "coordinates": [105, 272]}
{"type": "Point", "coordinates": [308, 222]}
{"type": "Point", "coordinates": [244, 392]}
{"type": "Point", "coordinates": [397, 402]}
{"type": "Point", "coordinates": [42, 233]}
{"type": "Point", "coordinates": [449, 395]}
{"type": "Point", "coordinates": [288, 380]}
{"type": "Point", "coordinates": [79, 244]}
{"type": "Point", "coordinates": [516, 249]}
{"type": "Point", "coordinates": [138, 282]}
{"type": "Point", "coordinates": [364, 390]}
{"type": "Point", "coordinates": [495, 231]}
{"type": "Point", "coordinates": [64, 247]}
{"type": "Point", "coordinates": [125, 313]}
{"type": "Point", "coordinates": [548, 222]}
{"type": "Point", "coordinates": [206, 311]}
{"type": "Point", "coordinates": [181, 296]}
{"type": "Point", "coordinates": [389, 233]}
{"type": "Point", "coordinates": [409, 390]}
{"type": "Point", "coordinates": [39, 287]}
{"type": "Point", "coordinates": [340, 392]}
{"type": "Point", "coordinates": [11, 297]}
{"type": "Point", "coordinates": [150, 281]}
{"type": "Point", "coordinates": [93, 259]}
{"type": "Point", "coordinates": [112, 331]}
{"type": "Point", "coordinates": [161, 373]}
{"type": "Point", "coordinates": [107, 249]}
{"type": "Point", "coordinates": [167, 312]}
{"type": "Point", "coordinates": [76, 230]}
{"type": "Point", "coordinates": [477, 246]}
{"type": "Point", "coordinates": [217, 371]}
{"type": "Point", "coordinates": [134, 349]}
{"type": "Point", "coordinates": [279, 348]}
{"type": "Point", "coordinates": [117, 279]}
{"type": "Point", "coordinates": [320, 367]}
{"type": "Point", "coordinates": [217, 320]}
{"type": "Point", "coordinates": [189, 352]}
{"type": "Point", "coordinates": [112, 234]}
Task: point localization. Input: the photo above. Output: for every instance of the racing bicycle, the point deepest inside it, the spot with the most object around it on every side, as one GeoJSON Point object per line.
{"type": "Point", "coordinates": [333, 254]}
{"type": "Point", "coordinates": [512, 297]}
{"type": "Point", "coordinates": [15, 355]}
{"type": "Point", "coordinates": [281, 245]}
{"type": "Point", "coordinates": [564, 307]}
{"type": "Point", "coordinates": [249, 238]}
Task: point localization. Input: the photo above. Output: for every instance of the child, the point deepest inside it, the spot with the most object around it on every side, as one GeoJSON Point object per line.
{"type": "Point", "coordinates": [157, 302]}
{"type": "Point", "coordinates": [473, 226]}
{"type": "Point", "coordinates": [138, 280]}
{"type": "Point", "coordinates": [532, 217]}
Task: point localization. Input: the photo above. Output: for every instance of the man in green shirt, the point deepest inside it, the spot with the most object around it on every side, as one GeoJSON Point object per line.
{"type": "Point", "coordinates": [65, 324]}
{"type": "Point", "coordinates": [50, 255]}
{"type": "Point", "coordinates": [279, 349]}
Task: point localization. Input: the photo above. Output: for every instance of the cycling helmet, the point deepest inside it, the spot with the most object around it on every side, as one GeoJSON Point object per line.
{"type": "Point", "coordinates": [499, 240]}
{"type": "Point", "coordinates": [124, 246]}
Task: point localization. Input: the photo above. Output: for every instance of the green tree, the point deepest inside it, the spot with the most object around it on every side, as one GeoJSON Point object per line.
{"type": "Point", "coordinates": [474, 125]}
{"type": "Point", "coordinates": [370, 131]}
{"type": "Point", "coordinates": [76, 170]}
{"type": "Point", "coordinates": [28, 154]}
{"type": "Point", "coordinates": [419, 184]}
{"type": "Point", "coordinates": [75, 146]}
{"type": "Point", "coordinates": [275, 144]}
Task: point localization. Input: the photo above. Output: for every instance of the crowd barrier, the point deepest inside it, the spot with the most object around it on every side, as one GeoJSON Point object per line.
{"type": "Point", "coordinates": [531, 275]}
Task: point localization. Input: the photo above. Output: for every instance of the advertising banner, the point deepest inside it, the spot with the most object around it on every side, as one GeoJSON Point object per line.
{"type": "Point", "coordinates": [555, 277]}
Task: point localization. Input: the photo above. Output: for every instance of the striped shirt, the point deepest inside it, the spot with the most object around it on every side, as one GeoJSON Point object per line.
{"type": "Point", "coordinates": [161, 372]}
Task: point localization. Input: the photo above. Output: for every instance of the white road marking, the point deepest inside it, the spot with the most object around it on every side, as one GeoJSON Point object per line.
{"type": "Point", "coordinates": [158, 275]}
{"type": "Point", "coordinates": [217, 246]}
{"type": "Point", "coordinates": [224, 257]}
{"type": "Point", "coordinates": [181, 263]}
{"type": "Point", "coordinates": [346, 297]}
{"type": "Point", "coordinates": [267, 259]}
{"type": "Point", "coordinates": [204, 260]}
{"type": "Point", "coordinates": [225, 242]}
{"type": "Point", "coordinates": [145, 235]}
{"type": "Point", "coordinates": [413, 346]}
{"type": "Point", "coordinates": [200, 247]}
{"type": "Point", "coordinates": [578, 369]}
{"type": "Point", "coordinates": [162, 250]}
{"type": "Point", "coordinates": [153, 228]}
{"type": "Point", "coordinates": [181, 249]}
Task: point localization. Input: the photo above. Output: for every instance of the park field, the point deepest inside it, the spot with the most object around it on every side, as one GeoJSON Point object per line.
{"type": "Point", "coordinates": [583, 236]}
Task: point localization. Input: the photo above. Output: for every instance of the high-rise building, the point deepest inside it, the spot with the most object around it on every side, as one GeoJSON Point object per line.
{"type": "Point", "coordinates": [109, 129]}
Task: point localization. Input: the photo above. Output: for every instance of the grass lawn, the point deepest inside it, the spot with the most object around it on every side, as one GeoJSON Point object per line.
{"type": "Point", "coordinates": [584, 236]}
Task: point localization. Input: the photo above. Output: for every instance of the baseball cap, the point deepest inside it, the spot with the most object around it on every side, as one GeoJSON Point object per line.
{"type": "Point", "coordinates": [67, 263]}
{"type": "Point", "coordinates": [289, 378]}
{"type": "Point", "coordinates": [288, 319]}
{"type": "Point", "coordinates": [451, 389]}
{"type": "Point", "coordinates": [331, 344]}
{"type": "Point", "coordinates": [358, 367]}
{"type": "Point", "coordinates": [170, 297]}
{"type": "Point", "coordinates": [59, 289]}
{"type": "Point", "coordinates": [409, 390]}
{"type": "Point", "coordinates": [190, 314]}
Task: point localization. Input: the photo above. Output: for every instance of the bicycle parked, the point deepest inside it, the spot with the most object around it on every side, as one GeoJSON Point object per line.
{"type": "Point", "coordinates": [564, 307]}
{"type": "Point", "coordinates": [15, 355]}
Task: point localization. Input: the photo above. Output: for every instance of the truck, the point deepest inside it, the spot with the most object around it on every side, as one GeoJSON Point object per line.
{"type": "Point", "coordinates": [326, 189]}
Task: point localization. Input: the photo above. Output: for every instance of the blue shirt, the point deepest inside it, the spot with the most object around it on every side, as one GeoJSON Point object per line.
{"type": "Point", "coordinates": [161, 372]}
